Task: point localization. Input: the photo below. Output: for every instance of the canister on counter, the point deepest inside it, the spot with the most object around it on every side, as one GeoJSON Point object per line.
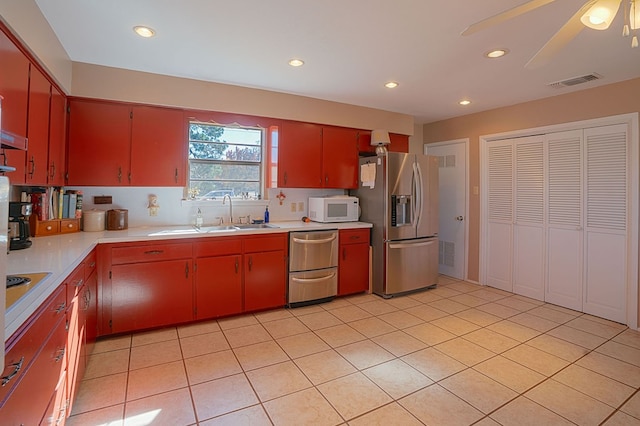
{"type": "Point", "coordinates": [93, 220]}
{"type": "Point", "coordinates": [117, 219]}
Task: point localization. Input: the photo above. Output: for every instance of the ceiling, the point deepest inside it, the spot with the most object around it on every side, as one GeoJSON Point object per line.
{"type": "Point", "coordinates": [350, 48]}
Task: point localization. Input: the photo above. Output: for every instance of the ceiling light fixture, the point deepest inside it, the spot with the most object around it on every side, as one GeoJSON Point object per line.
{"type": "Point", "coordinates": [296, 62]}
{"type": "Point", "coordinates": [497, 53]}
{"type": "Point", "coordinates": [464, 102]}
{"type": "Point", "coordinates": [143, 31]}
{"type": "Point", "coordinates": [391, 85]}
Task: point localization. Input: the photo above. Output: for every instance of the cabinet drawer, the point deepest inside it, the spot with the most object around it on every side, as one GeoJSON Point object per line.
{"type": "Point", "coordinates": [69, 225]}
{"type": "Point", "coordinates": [90, 264]}
{"type": "Point", "coordinates": [218, 246]}
{"type": "Point", "coordinates": [269, 242]}
{"type": "Point", "coordinates": [150, 253]}
{"type": "Point", "coordinates": [74, 283]}
{"type": "Point", "coordinates": [26, 342]}
{"type": "Point", "coordinates": [47, 227]}
{"type": "Point", "coordinates": [352, 236]}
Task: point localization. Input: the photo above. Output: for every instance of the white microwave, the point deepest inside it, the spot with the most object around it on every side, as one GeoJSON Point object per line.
{"type": "Point", "coordinates": [334, 209]}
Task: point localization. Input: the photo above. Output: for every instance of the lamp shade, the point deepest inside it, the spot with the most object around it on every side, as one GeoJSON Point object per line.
{"type": "Point", "coordinates": [380, 137]}
{"type": "Point", "coordinates": [601, 14]}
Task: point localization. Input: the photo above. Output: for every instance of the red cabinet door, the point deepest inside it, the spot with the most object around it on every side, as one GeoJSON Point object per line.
{"type": "Point", "coordinates": [339, 158]}
{"type": "Point", "coordinates": [151, 294]}
{"type": "Point", "coordinates": [300, 155]}
{"type": "Point", "coordinates": [99, 143]}
{"type": "Point", "coordinates": [14, 89]}
{"type": "Point", "coordinates": [353, 269]}
{"type": "Point", "coordinates": [57, 126]}
{"type": "Point", "coordinates": [38, 128]}
{"type": "Point", "coordinates": [158, 147]}
{"type": "Point", "coordinates": [264, 280]}
{"type": "Point", "coordinates": [218, 286]}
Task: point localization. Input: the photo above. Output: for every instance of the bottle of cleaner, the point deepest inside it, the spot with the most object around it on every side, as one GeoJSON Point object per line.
{"type": "Point", "coordinates": [266, 215]}
{"type": "Point", "coordinates": [199, 219]}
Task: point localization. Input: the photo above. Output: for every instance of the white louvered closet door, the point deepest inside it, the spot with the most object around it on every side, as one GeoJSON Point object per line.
{"type": "Point", "coordinates": [565, 219]}
{"type": "Point", "coordinates": [607, 201]}
{"type": "Point", "coordinates": [528, 232]}
{"type": "Point", "coordinates": [499, 215]}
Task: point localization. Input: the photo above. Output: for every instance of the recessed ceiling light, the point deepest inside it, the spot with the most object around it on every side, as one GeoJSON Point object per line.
{"type": "Point", "coordinates": [391, 85]}
{"type": "Point", "coordinates": [497, 53]}
{"type": "Point", "coordinates": [296, 62]}
{"type": "Point", "coordinates": [145, 32]}
{"type": "Point", "coordinates": [464, 102]}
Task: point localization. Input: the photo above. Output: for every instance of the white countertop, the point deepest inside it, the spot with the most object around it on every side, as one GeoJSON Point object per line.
{"type": "Point", "coordinates": [60, 254]}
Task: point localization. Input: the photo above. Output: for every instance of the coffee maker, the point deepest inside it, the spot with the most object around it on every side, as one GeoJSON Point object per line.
{"type": "Point", "coordinates": [19, 225]}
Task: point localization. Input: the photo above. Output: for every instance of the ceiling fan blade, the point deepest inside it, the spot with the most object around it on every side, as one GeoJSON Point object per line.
{"type": "Point", "coordinates": [505, 16]}
{"type": "Point", "coordinates": [560, 39]}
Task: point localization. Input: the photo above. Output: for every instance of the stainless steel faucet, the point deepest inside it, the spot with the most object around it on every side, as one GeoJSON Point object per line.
{"type": "Point", "coordinates": [230, 206]}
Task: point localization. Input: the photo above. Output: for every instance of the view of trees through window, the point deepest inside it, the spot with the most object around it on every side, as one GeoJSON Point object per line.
{"type": "Point", "coordinates": [225, 160]}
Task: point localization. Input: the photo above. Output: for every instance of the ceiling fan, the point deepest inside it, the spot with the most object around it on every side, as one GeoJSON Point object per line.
{"type": "Point", "coordinates": [596, 14]}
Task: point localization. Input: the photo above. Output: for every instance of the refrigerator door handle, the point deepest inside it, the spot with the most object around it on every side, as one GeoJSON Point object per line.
{"type": "Point", "coordinates": [419, 192]}
{"type": "Point", "coordinates": [411, 245]}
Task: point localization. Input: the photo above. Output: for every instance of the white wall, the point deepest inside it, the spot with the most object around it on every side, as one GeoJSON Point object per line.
{"type": "Point", "coordinates": [176, 211]}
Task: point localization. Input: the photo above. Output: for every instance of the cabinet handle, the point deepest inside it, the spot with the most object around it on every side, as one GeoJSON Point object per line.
{"type": "Point", "coordinates": [79, 282]}
{"type": "Point", "coordinates": [176, 175]}
{"type": "Point", "coordinates": [354, 237]}
{"type": "Point", "coordinates": [70, 225]}
{"type": "Point", "coordinates": [4, 158]}
{"type": "Point", "coordinates": [53, 169]}
{"type": "Point", "coordinates": [49, 228]}
{"type": "Point", "coordinates": [60, 355]}
{"type": "Point", "coordinates": [237, 265]}
{"type": "Point", "coordinates": [60, 308]}
{"type": "Point", "coordinates": [129, 177]}
{"type": "Point", "coordinates": [285, 174]}
{"type": "Point", "coordinates": [186, 270]}
{"type": "Point", "coordinates": [33, 167]}
{"type": "Point", "coordinates": [326, 178]}
{"type": "Point", "coordinates": [154, 252]}
{"type": "Point", "coordinates": [119, 174]}
{"type": "Point", "coordinates": [16, 368]}
{"type": "Point", "coordinates": [250, 262]}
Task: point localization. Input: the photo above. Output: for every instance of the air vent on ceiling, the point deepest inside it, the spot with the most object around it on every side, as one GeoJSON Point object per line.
{"type": "Point", "coordinates": [575, 80]}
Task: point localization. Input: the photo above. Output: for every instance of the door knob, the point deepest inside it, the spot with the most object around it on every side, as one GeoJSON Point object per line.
{"type": "Point", "coordinates": [459, 218]}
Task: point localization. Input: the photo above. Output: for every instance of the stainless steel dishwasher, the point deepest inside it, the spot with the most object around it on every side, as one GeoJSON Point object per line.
{"type": "Point", "coordinates": [313, 267]}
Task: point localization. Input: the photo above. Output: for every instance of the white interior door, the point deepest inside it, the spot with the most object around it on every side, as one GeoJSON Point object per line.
{"type": "Point", "coordinates": [452, 195]}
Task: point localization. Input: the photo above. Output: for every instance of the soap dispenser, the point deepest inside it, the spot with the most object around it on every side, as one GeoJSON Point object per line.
{"type": "Point", "coordinates": [199, 220]}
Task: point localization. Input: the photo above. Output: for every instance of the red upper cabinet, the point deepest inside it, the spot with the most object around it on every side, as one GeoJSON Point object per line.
{"type": "Point", "coordinates": [14, 89]}
{"type": "Point", "coordinates": [99, 143]}
{"type": "Point", "coordinates": [57, 120]}
{"type": "Point", "coordinates": [339, 158]}
{"type": "Point", "coordinates": [314, 156]}
{"type": "Point", "coordinates": [38, 128]}
{"type": "Point", "coordinates": [114, 144]}
{"type": "Point", "coordinates": [158, 147]}
{"type": "Point", "coordinates": [300, 155]}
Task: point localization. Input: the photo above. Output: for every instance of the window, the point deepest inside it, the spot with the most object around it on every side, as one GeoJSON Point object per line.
{"type": "Point", "coordinates": [225, 161]}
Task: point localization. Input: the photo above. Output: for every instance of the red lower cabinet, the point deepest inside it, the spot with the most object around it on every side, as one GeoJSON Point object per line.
{"type": "Point", "coordinates": [151, 294]}
{"type": "Point", "coordinates": [264, 277]}
{"type": "Point", "coordinates": [218, 286]}
{"type": "Point", "coordinates": [353, 261]}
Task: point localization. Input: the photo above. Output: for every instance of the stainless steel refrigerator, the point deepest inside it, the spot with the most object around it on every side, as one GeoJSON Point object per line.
{"type": "Point", "coordinates": [399, 195]}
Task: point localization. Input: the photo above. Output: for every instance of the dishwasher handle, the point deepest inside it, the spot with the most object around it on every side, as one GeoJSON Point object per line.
{"type": "Point", "coordinates": [322, 241]}
{"type": "Point", "coordinates": [314, 280]}
{"type": "Point", "coordinates": [411, 245]}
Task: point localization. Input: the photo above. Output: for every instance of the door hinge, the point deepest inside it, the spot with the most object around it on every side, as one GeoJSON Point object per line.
{"type": "Point", "coordinates": [186, 270]}
{"type": "Point", "coordinates": [111, 324]}
{"type": "Point", "coordinates": [109, 274]}
{"type": "Point", "coordinates": [131, 115]}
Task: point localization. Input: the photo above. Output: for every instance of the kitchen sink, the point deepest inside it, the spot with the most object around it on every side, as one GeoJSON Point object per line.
{"type": "Point", "coordinates": [217, 228]}
{"type": "Point", "coordinates": [222, 228]}
{"type": "Point", "coordinates": [254, 226]}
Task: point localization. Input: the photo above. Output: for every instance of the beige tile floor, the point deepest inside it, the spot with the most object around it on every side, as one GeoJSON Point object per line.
{"type": "Point", "coordinates": [459, 354]}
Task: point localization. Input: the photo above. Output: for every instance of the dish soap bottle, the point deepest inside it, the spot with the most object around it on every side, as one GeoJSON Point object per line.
{"type": "Point", "coordinates": [199, 219]}
{"type": "Point", "coordinates": [266, 215]}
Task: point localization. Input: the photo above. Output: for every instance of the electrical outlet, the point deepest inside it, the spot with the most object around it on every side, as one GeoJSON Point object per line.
{"type": "Point", "coordinates": [301, 206]}
{"type": "Point", "coordinates": [293, 207]}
